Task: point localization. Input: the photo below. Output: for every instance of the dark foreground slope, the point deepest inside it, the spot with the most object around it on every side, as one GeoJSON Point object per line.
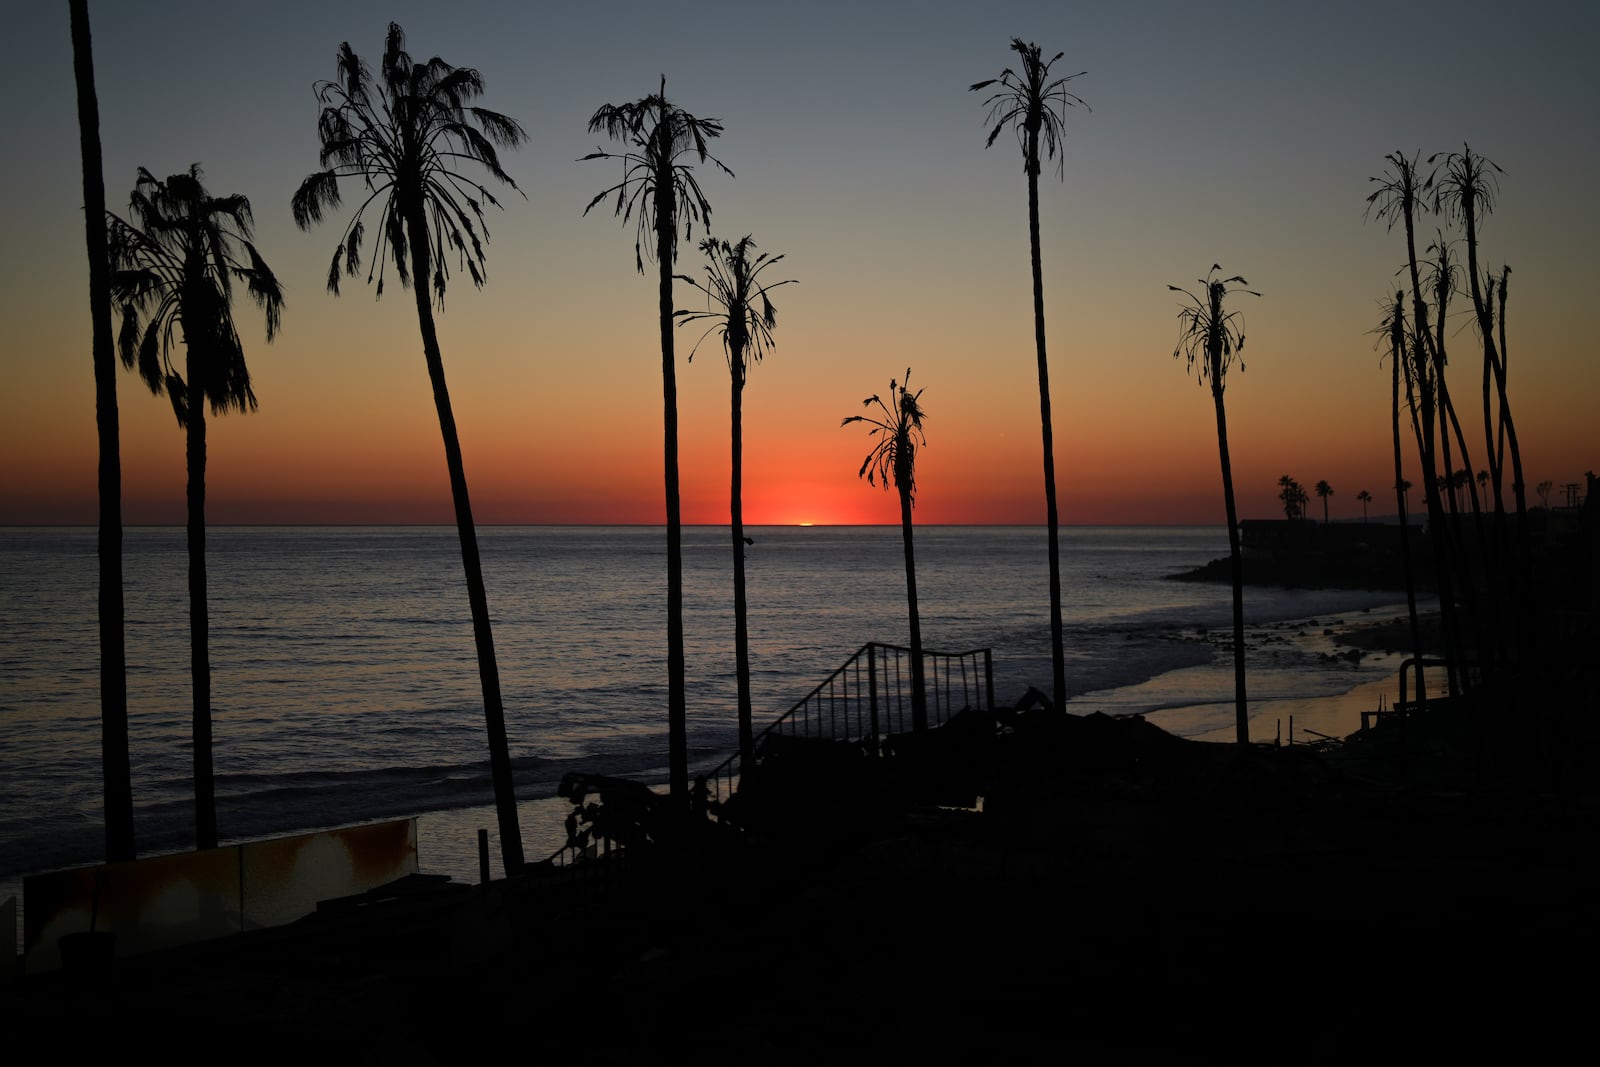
{"type": "Point", "coordinates": [1121, 893]}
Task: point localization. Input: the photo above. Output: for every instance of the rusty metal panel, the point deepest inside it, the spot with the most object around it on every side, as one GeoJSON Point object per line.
{"type": "Point", "coordinates": [284, 878]}
{"type": "Point", "coordinates": [165, 901]}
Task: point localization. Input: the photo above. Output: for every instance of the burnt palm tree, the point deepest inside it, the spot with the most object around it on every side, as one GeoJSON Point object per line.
{"type": "Point", "coordinates": [741, 312]}
{"type": "Point", "coordinates": [1365, 498]}
{"type": "Point", "coordinates": [403, 135]}
{"type": "Point", "coordinates": [1324, 490]}
{"type": "Point", "coordinates": [896, 427]}
{"type": "Point", "coordinates": [1034, 104]}
{"type": "Point", "coordinates": [175, 267]}
{"type": "Point", "coordinates": [660, 187]}
{"type": "Point", "coordinates": [1212, 340]}
{"type": "Point", "coordinates": [118, 778]}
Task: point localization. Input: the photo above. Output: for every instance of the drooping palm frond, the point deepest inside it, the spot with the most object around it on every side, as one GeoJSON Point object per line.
{"type": "Point", "coordinates": [406, 134]}
{"type": "Point", "coordinates": [1030, 102]}
{"type": "Point", "coordinates": [173, 270]}
{"type": "Point", "coordinates": [657, 134]}
{"type": "Point", "coordinates": [738, 307]}
{"type": "Point", "coordinates": [897, 428]}
{"type": "Point", "coordinates": [1209, 338]}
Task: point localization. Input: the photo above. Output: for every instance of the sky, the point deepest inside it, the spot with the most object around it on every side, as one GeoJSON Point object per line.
{"type": "Point", "coordinates": [1242, 134]}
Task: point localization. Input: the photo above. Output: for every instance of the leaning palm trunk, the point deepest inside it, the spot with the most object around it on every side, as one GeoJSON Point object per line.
{"type": "Point", "coordinates": [1057, 645]}
{"type": "Point", "coordinates": [741, 625]}
{"type": "Point", "coordinates": [505, 801]}
{"type": "Point", "coordinates": [919, 690]}
{"type": "Point", "coordinates": [115, 770]}
{"type": "Point", "coordinates": [1236, 559]}
{"type": "Point", "coordinates": [1397, 333]}
{"type": "Point", "coordinates": [205, 789]}
{"type": "Point", "coordinates": [677, 696]}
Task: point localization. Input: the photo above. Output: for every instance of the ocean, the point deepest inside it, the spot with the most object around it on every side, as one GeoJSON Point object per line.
{"type": "Point", "coordinates": [345, 684]}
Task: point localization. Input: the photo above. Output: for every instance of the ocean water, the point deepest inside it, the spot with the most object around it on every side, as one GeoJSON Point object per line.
{"type": "Point", "coordinates": [345, 685]}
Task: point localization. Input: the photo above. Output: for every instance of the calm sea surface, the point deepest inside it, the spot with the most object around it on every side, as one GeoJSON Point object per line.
{"type": "Point", "coordinates": [345, 684]}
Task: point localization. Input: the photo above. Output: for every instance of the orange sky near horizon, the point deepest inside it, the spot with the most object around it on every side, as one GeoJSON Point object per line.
{"type": "Point", "coordinates": [908, 240]}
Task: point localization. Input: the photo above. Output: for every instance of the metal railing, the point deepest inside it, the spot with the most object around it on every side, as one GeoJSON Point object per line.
{"type": "Point", "coordinates": [868, 700]}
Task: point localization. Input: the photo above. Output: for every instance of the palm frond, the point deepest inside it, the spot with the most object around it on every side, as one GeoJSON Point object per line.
{"type": "Point", "coordinates": [175, 266]}
{"type": "Point", "coordinates": [656, 134]}
{"type": "Point", "coordinates": [1032, 105]}
{"type": "Point", "coordinates": [412, 124]}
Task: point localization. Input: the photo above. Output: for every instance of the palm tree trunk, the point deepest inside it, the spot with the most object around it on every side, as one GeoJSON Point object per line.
{"type": "Point", "coordinates": [919, 690]}
{"type": "Point", "coordinates": [1396, 355]}
{"type": "Point", "coordinates": [1057, 648]}
{"type": "Point", "coordinates": [505, 799]}
{"type": "Point", "coordinates": [205, 789]}
{"type": "Point", "coordinates": [677, 699]}
{"type": "Point", "coordinates": [1241, 716]}
{"type": "Point", "coordinates": [115, 769]}
{"type": "Point", "coordinates": [741, 628]}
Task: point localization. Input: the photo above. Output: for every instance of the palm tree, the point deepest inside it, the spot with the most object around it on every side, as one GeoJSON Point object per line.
{"type": "Point", "coordinates": [1365, 498]}
{"type": "Point", "coordinates": [1211, 340]}
{"type": "Point", "coordinates": [741, 312]}
{"type": "Point", "coordinates": [1034, 105]}
{"type": "Point", "coordinates": [666, 195]}
{"type": "Point", "coordinates": [115, 768]}
{"type": "Point", "coordinates": [897, 426]}
{"type": "Point", "coordinates": [404, 135]}
{"type": "Point", "coordinates": [1324, 490]}
{"type": "Point", "coordinates": [174, 271]}
{"type": "Point", "coordinates": [1289, 492]}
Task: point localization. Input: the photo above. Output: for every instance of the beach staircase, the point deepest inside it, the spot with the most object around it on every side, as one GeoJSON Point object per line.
{"type": "Point", "coordinates": [867, 703]}
{"type": "Point", "coordinates": [862, 711]}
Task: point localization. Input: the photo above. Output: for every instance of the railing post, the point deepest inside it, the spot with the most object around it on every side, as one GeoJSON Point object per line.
{"type": "Point", "coordinates": [872, 693]}
{"type": "Point", "coordinates": [988, 676]}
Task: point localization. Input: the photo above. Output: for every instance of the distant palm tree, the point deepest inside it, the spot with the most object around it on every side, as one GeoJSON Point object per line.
{"type": "Point", "coordinates": [1034, 105]}
{"type": "Point", "coordinates": [1211, 340]}
{"type": "Point", "coordinates": [404, 135]}
{"type": "Point", "coordinates": [1289, 492]}
{"type": "Point", "coordinates": [667, 197]}
{"type": "Point", "coordinates": [1324, 490]}
{"type": "Point", "coordinates": [115, 770]}
{"type": "Point", "coordinates": [898, 429]}
{"type": "Point", "coordinates": [1365, 498]}
{"type": "Point", "coordinates": [175, 268]}
{"type": "Point", "coordinates": [742, 313]}
{"type": "Point", "coordinates": [1543, 489]}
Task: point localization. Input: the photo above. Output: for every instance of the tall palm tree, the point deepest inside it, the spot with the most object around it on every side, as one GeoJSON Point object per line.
{"type": "Point", "coordinates": [404, 136]}
{"type": "Point", "coordinates": [175, 268]}
{"type": "Point", "coordinates": [1365, 498]}
{"type": "Point", "coordinates": [740, 311]}
{"type": "Point", "coordinates": [115, 769]}
{"type": "Point", "coordinates": [897, 426]}
{"type": "Point", "coordinates": [666, 195]}
{"type": "Point", "coordinates": [1034, 105]}
{"type": "Point", "coordinates": [1324, 490]}
{"type": "Point", "coordinates": [1211, 340]}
